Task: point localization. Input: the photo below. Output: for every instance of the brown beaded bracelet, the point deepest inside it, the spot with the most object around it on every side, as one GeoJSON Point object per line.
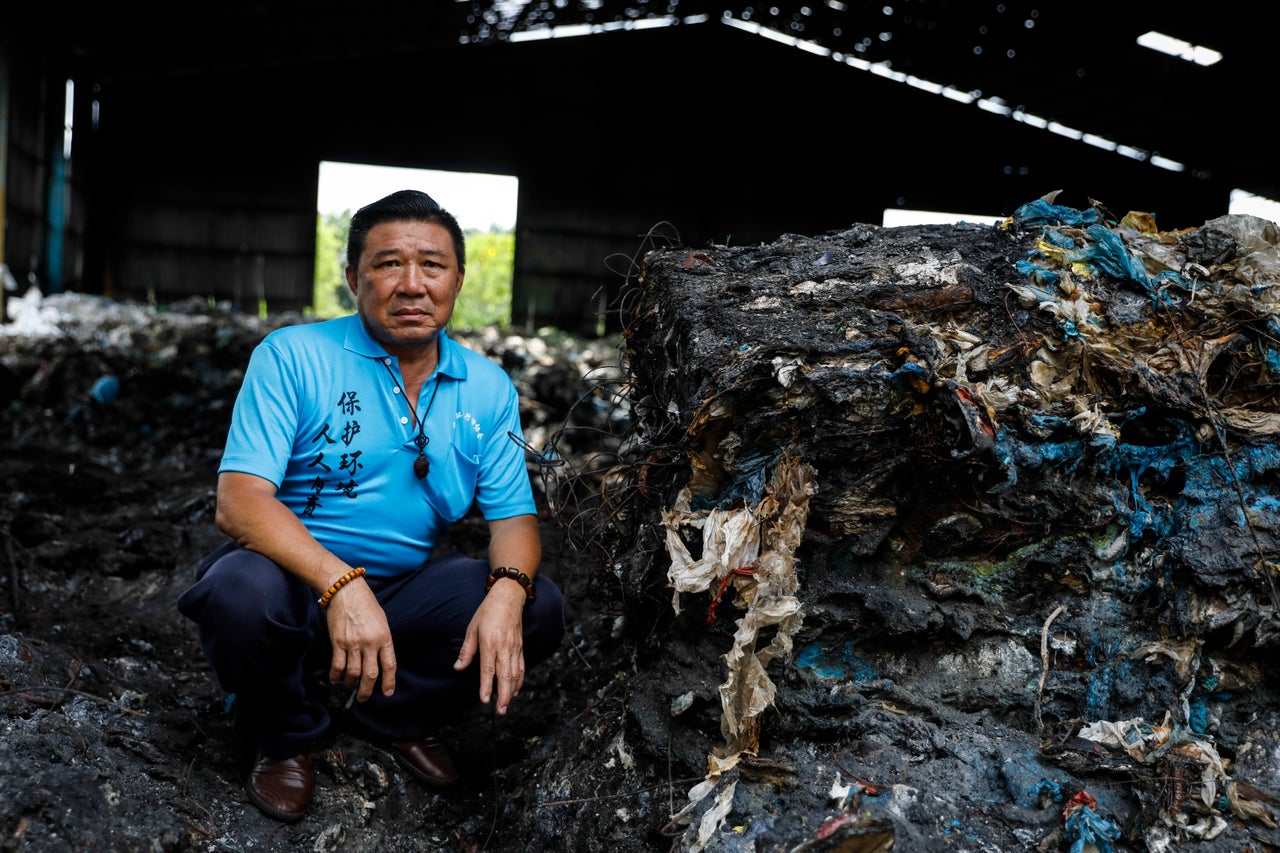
{"type": "Point", "coordinates": [516, 575]}
{"type": "Point", "coordinates": [329, 593]}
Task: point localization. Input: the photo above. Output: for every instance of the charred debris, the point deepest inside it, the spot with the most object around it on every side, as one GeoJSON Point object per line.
{"type": "Point", "coordinates": [978, 525]}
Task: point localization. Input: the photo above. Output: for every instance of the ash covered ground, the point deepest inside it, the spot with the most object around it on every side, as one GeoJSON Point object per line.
{"type": "Point", "coordinates": [113, 735]}
{"type": "Point", "coordinates": [959, 676]}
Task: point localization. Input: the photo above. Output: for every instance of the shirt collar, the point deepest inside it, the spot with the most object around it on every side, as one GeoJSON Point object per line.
{"type": "Point", "coordinates": [359, 341]}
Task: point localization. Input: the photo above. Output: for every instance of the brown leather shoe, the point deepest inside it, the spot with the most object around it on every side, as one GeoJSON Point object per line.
{"type": "Point", "coordinates": [427, 759]}
{"type": "Point", "coordinates": [282, 788]}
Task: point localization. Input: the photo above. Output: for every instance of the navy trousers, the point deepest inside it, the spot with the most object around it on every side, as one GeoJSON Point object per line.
{"type": "Point", "coordinates": [268, 643]}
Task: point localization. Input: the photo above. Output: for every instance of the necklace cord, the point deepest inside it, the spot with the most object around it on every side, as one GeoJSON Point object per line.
{"type": "Point", "coordinates": [420, 464]}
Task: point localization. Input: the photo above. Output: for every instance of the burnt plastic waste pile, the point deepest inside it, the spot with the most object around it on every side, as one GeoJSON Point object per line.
{"type": "Point", "coordinates": [956, 537]}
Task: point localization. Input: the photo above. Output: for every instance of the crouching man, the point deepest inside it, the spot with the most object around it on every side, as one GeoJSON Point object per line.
{"type": "Point", "coordinates": [354, 443]}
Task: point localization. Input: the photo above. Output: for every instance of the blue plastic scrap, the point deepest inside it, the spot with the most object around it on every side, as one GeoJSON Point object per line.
{"type": "Point", "coordinates": [1086, 829]}
{"type": "Point", "coordinates": [1107, 253]}
{"type": "Point", "coordinates": [1037, 274]}
{"type": "Point", "coordinates": [1208, 479]}
{"type": "Point", "coordinates": [1027, 782]}
{"type": "Point", "coordinates": [836, 662]}
{"type": "Point", "coordinates": [1041, 212]}
{"type": "Point", "coordinates": [909, 373]}
{"type": "Point", "coordinates": [1198, 718]}
{"type": "Point", "coordinates": [105, 389]}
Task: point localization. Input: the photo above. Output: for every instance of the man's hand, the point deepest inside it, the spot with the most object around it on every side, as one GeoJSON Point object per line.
{"type": "Point", "coordinates": [361, 640]}
{"type": "Point", "coordinates": [249, 512]}
{"type": "Point", "coordinates": [495, 639]}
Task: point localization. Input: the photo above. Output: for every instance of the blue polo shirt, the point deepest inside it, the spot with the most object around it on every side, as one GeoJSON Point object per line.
{"type": "Point", "coordinates": [322, 415]}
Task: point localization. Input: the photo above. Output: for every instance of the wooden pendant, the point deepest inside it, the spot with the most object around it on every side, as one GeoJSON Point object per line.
{"type": "Point", "coordinates": [421, 466]}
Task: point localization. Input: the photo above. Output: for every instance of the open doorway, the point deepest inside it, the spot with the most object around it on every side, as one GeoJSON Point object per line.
{"type": "Point", "coordinates": [484, 204]}
{"type": "Point", "coordinates": [894, 216]}
{"type": "Point", "coordinates": [1244, 202]}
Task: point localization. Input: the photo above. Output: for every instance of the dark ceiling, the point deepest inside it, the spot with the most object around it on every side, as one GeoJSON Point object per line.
{"type": "Point", "coordinates": [1074, 64]}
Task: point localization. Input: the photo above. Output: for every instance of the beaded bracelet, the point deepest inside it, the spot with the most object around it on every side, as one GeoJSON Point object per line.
{"type": "Point", "coordinates": [516, 575]}
{"type": "Point", "coordinates": [329, 593]}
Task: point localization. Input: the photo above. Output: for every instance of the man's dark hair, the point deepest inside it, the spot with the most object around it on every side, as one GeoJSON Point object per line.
{"type": "Point", "coordinates": [403, 206]}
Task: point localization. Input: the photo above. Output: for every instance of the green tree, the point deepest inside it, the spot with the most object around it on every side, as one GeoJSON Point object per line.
{"type": "Point", "coordinates": [330, 296]}
{"type": "Point", "coordinates": [486, 292]}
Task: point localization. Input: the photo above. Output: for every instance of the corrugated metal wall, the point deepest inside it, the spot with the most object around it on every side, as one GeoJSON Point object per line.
{"type": "Point", "coordinates": [248, 253]}
{"type": "Point", "coordinates": [26, 184]}
{"type": "Point", "coordinates": [561, 279]}
{"type": "Point", "coordinates": [214, 202]}
{"type": "Point", "coordinates": [45, 200]}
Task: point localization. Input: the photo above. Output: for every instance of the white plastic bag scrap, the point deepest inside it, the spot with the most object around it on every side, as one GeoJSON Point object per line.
{"type": "Point", "coordinates": [24, 317]}
{"type": "Point", "coordinates": [1212, 770]}
{"type": "Point", "coordinates": [749, 690]}
{"type": "Point", "coordinates": [624, 753]}
{"type": "Point", "coordinates": [1184, 653]}
{"type": "Point", "coordinates": [761, 541]}
{"type": "Point", "coordinates": [729, 540]}
{"type": "Point", "coordinates": [785, 369]}
{"type": "Point", "coordinates": [1147, 743]}
{"type": "Point", "coordinates": [1244, 807]}
{"type": "Point", "coordinates": [1137, 737]}
{"type": "Point", "coordinates": [773, 604]}
{"type": "Point", "coordinates": [1206, 828]}
{"type": "Point", "coordinates": [957, 348]}
{"type": "Point", "coordinates": [1091, 420]}
{"type": "Point", "coordinates": [998, 394]}
{"type": "Point", "coordinates": [713, 817]}
{"type": "Point", "coordinates": [1251, 233]}
{"type": "Point", "coordinates": [1258, 423]}
{"type": "Point", "coordinates": [1260, 269]}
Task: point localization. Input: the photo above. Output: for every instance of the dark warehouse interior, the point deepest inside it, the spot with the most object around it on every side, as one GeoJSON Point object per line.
{"type": "Point", "coordinates": [198, 133]}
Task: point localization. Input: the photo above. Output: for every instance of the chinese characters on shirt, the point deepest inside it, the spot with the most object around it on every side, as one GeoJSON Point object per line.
{"type": "Point", "coordinates": [347, 461]}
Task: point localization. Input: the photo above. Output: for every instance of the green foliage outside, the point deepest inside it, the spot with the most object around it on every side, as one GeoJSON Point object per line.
{"type": "Point", "coordinates": [486, 292]}
{"type": "Point", "coordinates": [331, 297]}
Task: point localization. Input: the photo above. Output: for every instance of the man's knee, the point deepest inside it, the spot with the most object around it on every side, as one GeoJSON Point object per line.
{"type": "Point", "coordinates": [242, 591]}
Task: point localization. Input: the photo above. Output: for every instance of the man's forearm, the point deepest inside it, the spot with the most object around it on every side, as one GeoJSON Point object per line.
{"type": "Point", "coordinates": [516, 542]}
{"type": "Point", "coordinates": [249, 512]}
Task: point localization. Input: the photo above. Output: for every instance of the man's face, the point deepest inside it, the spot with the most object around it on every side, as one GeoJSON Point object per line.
{"type": "Point", "coordinates": [405, 284]}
